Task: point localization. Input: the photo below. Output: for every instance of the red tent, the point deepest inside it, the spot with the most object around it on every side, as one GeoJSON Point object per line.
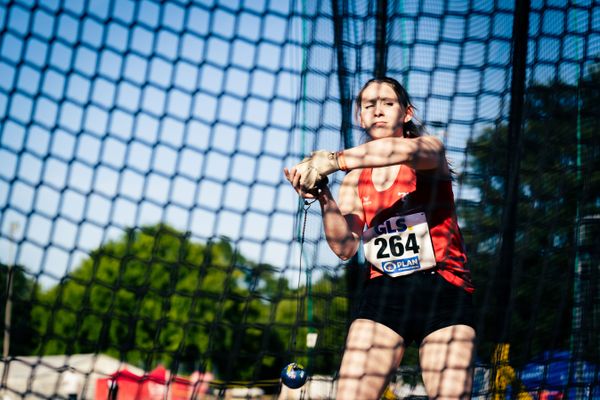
{"type": "Point", "coordinates": [153, 385]}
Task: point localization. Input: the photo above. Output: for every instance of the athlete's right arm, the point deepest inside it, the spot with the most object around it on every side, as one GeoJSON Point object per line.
{"type": "Point", "coordinates": [343, 220]}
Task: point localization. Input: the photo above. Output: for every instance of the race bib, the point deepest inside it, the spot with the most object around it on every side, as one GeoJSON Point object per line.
{"type": "Point", "coordinates": [400, 245]}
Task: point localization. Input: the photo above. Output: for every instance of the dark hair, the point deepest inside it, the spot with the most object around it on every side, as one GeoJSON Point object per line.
{"type": "Point", "coordinates": [410, 128]}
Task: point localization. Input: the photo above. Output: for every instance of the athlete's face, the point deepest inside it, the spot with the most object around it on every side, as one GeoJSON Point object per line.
{"type": "Point", "coordinates": [381, 115]}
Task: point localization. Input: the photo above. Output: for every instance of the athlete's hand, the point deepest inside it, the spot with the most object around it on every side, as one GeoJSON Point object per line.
{"type": "Point", "coordinates": [309, 175]}
{"type": "Point", "coordinates": [305, 180]}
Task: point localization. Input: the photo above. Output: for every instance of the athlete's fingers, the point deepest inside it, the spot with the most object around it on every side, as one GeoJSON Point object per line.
{"type": "Point", "coordinates": [289, 174]}
{"type": "Point", "coordinates": [296, 176]}
{"type": "Point", "coordinates": [286, 173]}
{"type": "Point", "coordinates": [293, 177]}
{"type": "Point", "coordinates": [303, 193]}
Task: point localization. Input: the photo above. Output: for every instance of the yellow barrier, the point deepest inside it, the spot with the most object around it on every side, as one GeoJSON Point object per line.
{"type": "Point", "coordinates": [504, 375]}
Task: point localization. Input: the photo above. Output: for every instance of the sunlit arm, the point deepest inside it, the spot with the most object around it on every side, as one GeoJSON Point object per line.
{"type": "Point", "coordinates": [342, 223]}
{"type": "Point", "coordinates": [422, 153]}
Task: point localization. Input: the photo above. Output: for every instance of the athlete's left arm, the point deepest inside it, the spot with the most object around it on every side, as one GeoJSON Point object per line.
{"type": "Point", "coordinates": [425, 153]}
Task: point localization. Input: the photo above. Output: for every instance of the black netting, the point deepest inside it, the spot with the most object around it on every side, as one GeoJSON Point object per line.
{"type": "Point", "coordinates": [146, 225]}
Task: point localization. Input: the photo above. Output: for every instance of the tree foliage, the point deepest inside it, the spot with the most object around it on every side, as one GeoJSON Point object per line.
{"type": "Point", "coordinates": [558, 178]}
{"type": "Point", "coordinates": [153, 296]}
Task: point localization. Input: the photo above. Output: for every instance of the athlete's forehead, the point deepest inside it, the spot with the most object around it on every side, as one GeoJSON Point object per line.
{"type": "Point", "coordinates": [378, 92]}
{"type": "Point", "coordinates": [379, 98]}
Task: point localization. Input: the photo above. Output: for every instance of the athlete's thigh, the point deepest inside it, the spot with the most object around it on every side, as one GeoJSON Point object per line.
{"type": "Point", "coordinates": [446, 357]}
{"type": "Point", "coordinates": [372, 352]}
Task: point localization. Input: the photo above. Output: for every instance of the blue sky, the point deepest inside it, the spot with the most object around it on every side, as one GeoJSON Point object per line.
{"type": "Point", "coordinates": [127, 113]}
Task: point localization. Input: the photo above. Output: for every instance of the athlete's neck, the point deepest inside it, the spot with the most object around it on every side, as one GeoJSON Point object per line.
{"type": "Point", "coordinates": [383, 177]}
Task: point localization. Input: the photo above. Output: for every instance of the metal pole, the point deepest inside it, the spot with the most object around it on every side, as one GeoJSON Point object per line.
{"type": "Point", "coordinates": [339, 16]}
{"type": "Point", "coordinates": [14, 226]}
{"type": "Point", "coordinates": [514, 151]}
{"type": "Point", "coordinates": [501, 369]}
{"type": "Point", "coordinates": [381, 39]}
{"type": "Point", "coordinates": [581, 291]}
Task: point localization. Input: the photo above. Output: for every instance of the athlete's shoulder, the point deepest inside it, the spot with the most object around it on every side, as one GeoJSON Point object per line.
{"type": "Point", "coordinates": [353, 176]}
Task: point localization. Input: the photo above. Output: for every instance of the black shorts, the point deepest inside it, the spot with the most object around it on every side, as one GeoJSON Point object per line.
{"type": "Point", "coordinates": [416, 305]}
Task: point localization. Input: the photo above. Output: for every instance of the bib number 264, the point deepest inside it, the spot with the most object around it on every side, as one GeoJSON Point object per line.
{"type": "Point", "coordinates": [394, 245]}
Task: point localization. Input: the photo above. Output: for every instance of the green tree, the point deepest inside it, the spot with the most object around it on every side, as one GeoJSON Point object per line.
{"type": "Point", "coordinates": [153, 296]}
{"type": "Point", "coordinates": [556, 180]}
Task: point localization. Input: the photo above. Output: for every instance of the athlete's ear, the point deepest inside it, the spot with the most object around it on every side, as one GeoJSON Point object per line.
{"type": "Point", "coordinates": [410, 111]}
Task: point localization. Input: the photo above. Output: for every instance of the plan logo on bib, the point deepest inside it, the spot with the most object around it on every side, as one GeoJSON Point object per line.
{"type": "Point", "coordinates": [407, 264]}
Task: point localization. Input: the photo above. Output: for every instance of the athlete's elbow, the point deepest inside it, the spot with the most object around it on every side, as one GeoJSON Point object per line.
{"type": "Point", "coordinates": [429, 154]}
{"type": "Point", "coordinates": [341, 252]}
{"type": "Point", "coordinates": [344, 248]}
{"type": "Point", "coordinates": [347, 252]}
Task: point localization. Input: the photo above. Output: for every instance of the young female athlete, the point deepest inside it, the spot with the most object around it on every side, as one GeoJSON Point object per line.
{"type": "Point", "coordinates": [399, 186]}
